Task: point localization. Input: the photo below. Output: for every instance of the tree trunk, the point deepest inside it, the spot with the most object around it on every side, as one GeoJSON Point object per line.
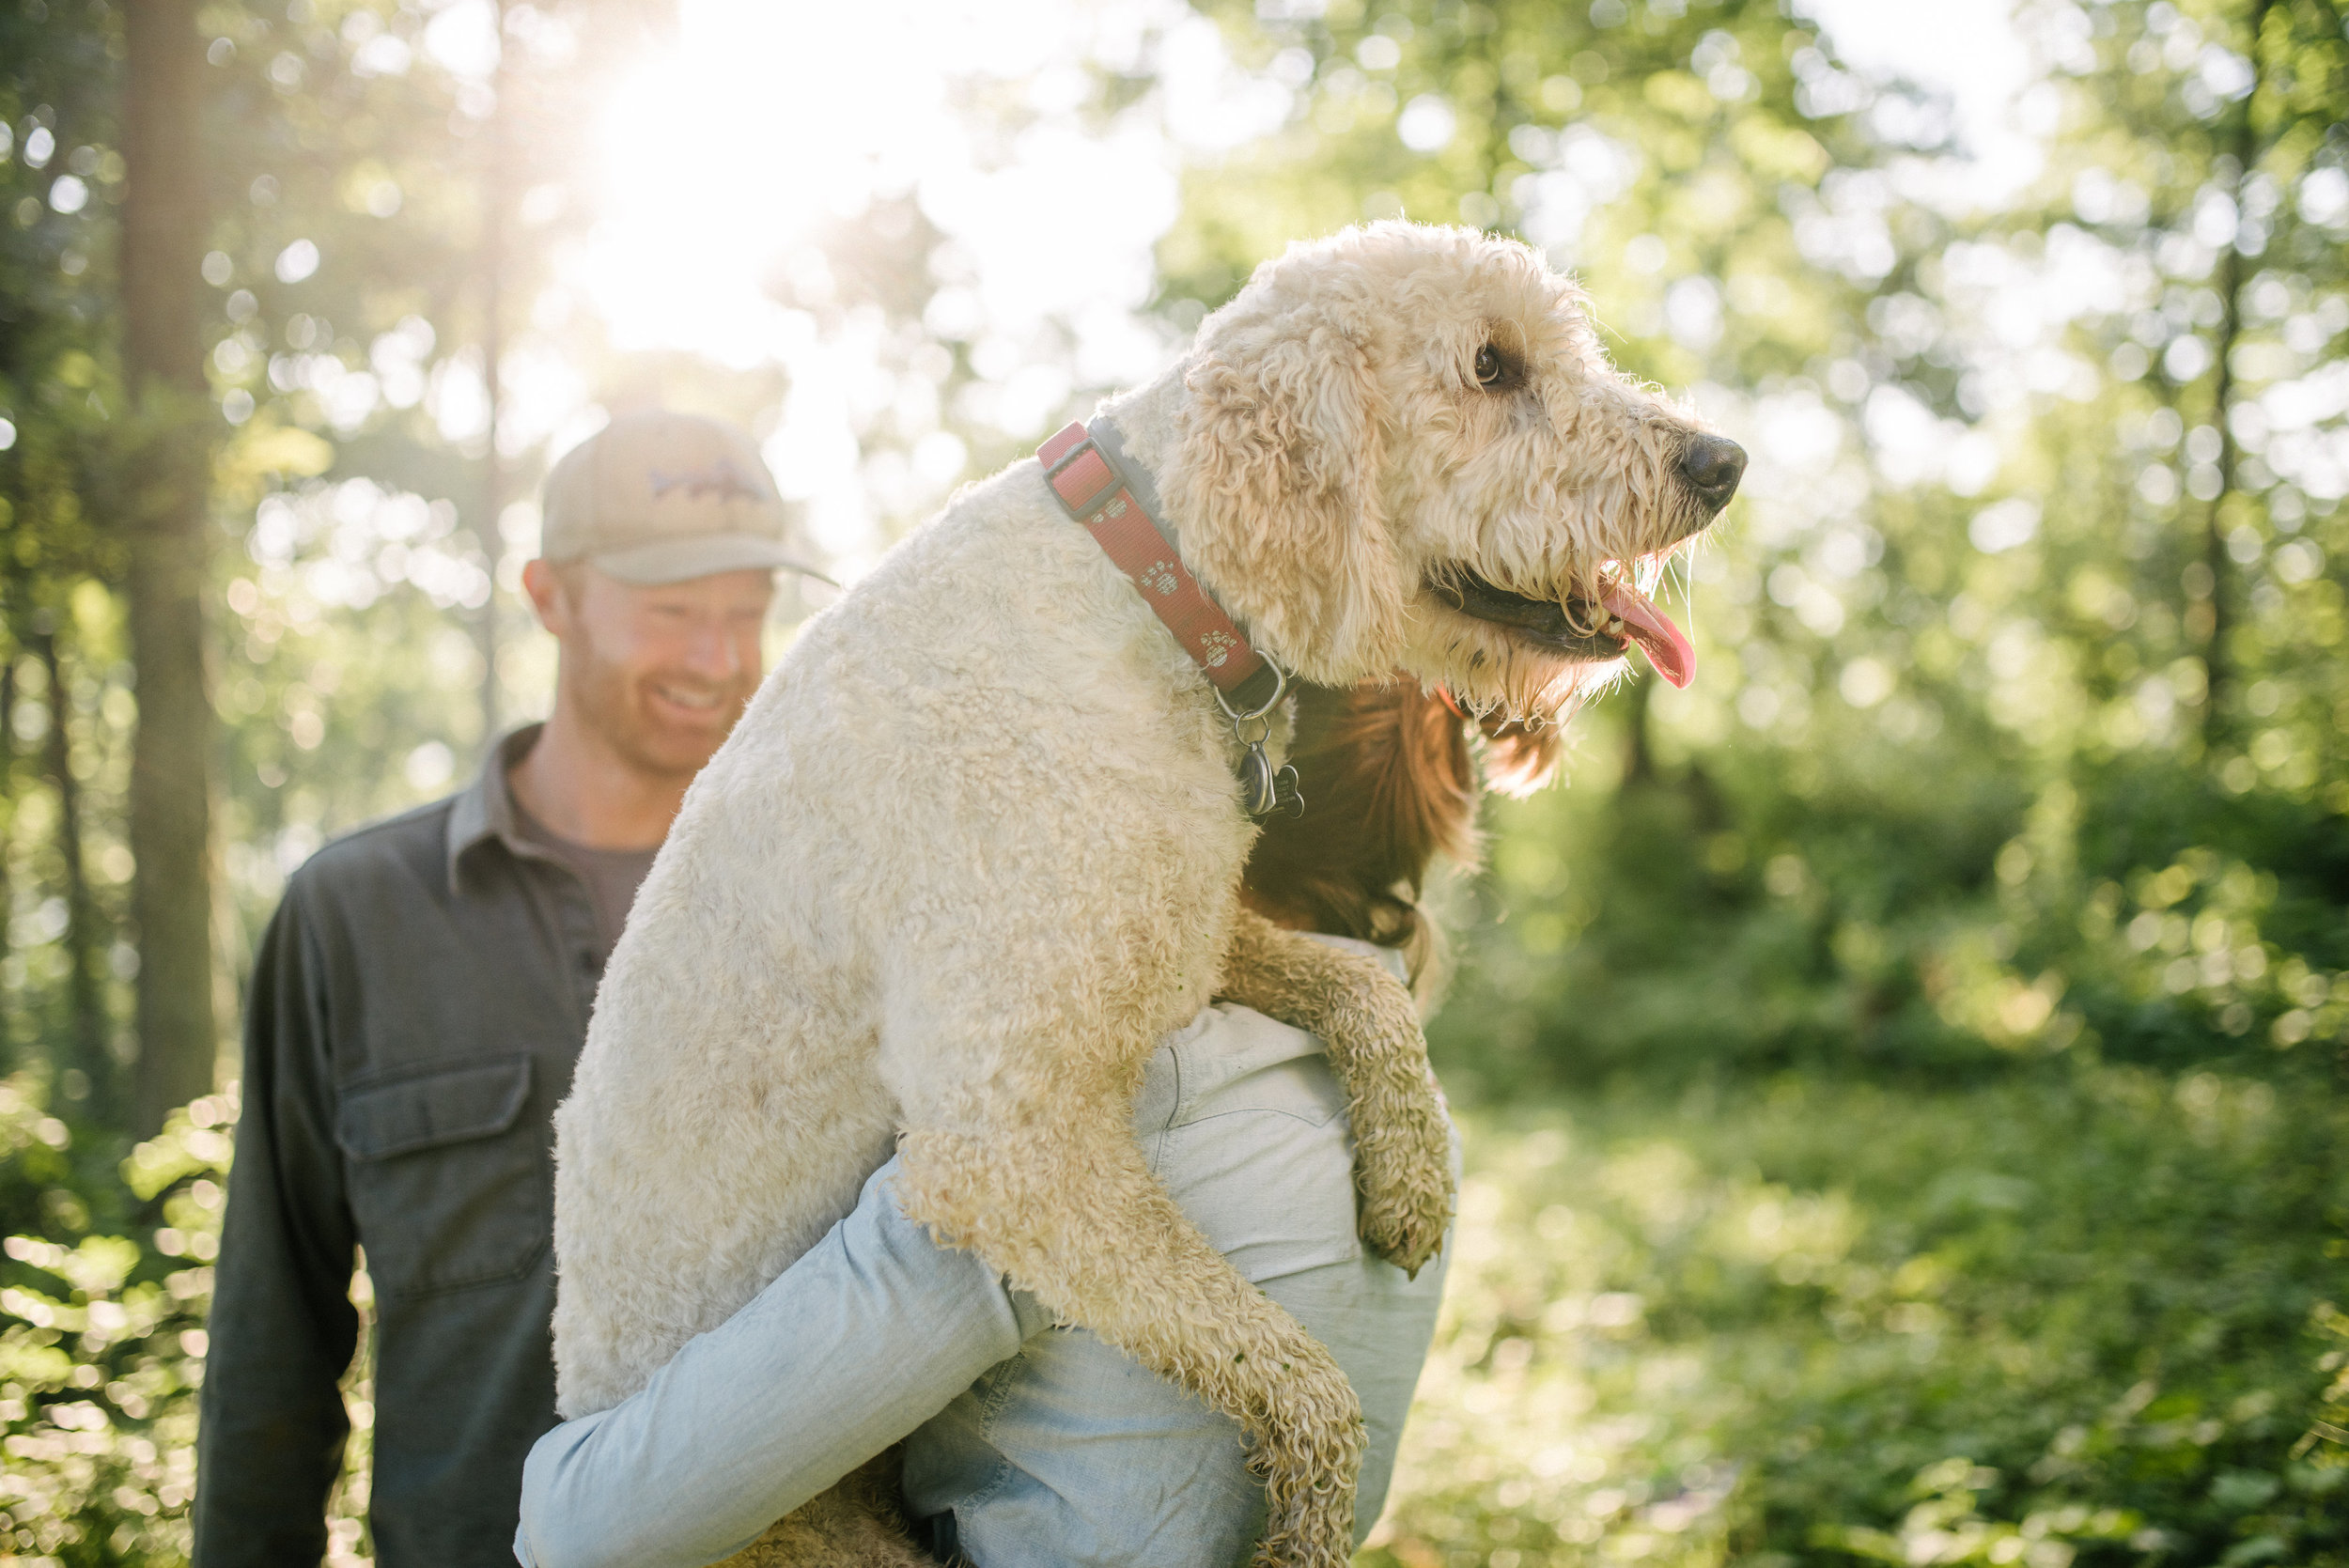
{"type": "Point", "coordinates": [496, 193]}
{"type": "Point", "coordinates": [7, 820]}
{"type": "Point", "coordinates": [170, 803]}
{"type": "Point", "coordinates": [2217, 662]}
{"type": "Point", "coordinates": [86, 1052]}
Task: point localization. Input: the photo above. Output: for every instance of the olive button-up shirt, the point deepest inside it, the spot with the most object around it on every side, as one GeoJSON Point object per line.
{"type": "Point", "coordinates": [416, 1010]}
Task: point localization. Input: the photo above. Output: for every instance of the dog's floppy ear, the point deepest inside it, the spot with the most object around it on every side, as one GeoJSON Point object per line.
{"type": "Point", "coordinates": [1276, 490]}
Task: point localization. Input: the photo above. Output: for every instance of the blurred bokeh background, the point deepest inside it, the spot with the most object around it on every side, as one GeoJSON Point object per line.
{"type": "Point", "coordinates": [1902, 1071]}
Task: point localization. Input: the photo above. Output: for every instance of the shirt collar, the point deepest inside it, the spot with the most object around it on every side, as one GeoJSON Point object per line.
{"type": "Point", "coordinates": [485, 809]}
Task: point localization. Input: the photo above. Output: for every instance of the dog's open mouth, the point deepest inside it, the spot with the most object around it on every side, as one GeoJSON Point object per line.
{"type": "Point", "coordinates": [1606, 628]}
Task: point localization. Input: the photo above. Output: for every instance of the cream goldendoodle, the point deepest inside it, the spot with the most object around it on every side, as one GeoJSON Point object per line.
{"type": "Point", "coordinates": [973, 849]}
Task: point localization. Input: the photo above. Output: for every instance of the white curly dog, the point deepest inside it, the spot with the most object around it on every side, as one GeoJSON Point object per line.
{"type": "Point", "coordinates": [975, 847]}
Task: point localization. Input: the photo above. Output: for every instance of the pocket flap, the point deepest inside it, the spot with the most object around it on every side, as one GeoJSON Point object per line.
{"type": "Point", "coordinates": [476, 1100]}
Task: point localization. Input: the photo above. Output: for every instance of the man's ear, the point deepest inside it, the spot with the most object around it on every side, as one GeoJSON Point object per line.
{"type": "Point", "coordinates": [548, 594]}
{"type": "Point", "coordinates": [1275, 488]}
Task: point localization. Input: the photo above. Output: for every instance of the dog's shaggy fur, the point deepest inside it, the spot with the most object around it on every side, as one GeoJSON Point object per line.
{"type": "Point", "coordinates": [974, 846]}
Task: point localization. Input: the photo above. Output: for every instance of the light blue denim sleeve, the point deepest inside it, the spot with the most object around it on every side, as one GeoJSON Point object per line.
{"type": "Point", "coordinates": [1072, 1455]}
{"type": "Point", "coordinates": [862, 1339]}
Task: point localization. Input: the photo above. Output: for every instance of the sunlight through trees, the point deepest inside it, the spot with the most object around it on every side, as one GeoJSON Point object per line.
{"type": "Point", "coordinates": [1903, 1067]}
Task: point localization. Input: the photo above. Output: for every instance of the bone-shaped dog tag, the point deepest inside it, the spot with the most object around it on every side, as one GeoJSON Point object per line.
{"type": "Point", "coordinates": [1264, 791]}
{"type": "Point", "coordinates": [1285, 795]}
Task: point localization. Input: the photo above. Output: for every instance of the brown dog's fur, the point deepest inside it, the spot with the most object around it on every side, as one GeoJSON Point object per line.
{"type": "Point", "coordinates": [1388, 786]}
{"type": "Point", "coordinates": [1391, 787]}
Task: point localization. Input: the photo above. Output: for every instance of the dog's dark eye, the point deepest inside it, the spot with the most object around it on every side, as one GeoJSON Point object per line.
{"type": "Point", "coordinates": [1488, 366]}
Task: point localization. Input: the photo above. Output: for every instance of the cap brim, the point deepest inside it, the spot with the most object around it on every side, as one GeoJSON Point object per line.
{"type": "Point", "coordinates": [678, 560]}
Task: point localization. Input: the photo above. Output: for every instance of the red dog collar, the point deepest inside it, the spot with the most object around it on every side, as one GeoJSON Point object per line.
{"type": "Point", "coordinates": [1092, 491]}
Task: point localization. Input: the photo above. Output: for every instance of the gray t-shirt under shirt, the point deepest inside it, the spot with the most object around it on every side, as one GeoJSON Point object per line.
{"type": "Point", "coordinates": [611, 876]}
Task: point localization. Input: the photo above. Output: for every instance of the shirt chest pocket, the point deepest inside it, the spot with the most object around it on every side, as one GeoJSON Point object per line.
{"type": "Point", "coordinates": [449, 1180]}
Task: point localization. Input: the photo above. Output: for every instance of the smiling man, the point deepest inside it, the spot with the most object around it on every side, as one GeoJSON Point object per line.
{"type": "Point", "coordinates": [414, 1015]}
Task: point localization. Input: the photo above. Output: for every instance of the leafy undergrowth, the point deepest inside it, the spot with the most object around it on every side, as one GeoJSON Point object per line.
{"type": "Point", "coordinates": [102, 1294]}
{"type": "Point", "coordinates": [2071, 1320]}
{"type": "Point", "coordinates": [105, 1286]}
{"type": "Point", "coordinates": [2064, 1320]}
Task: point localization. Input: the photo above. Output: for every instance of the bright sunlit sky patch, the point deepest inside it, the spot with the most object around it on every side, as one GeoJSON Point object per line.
{"type": "Point", "coordinates": [722, 160]}
{"type": "Point", "coordinates": [768, 118]}
{"type": "Point", "coordinates": [719, 163]}
{"type": "Point", "coordinates": [1971, 49]}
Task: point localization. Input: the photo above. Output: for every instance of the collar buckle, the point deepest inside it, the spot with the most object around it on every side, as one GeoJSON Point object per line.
{"type": "Point", "coordinates": [1082, 490]}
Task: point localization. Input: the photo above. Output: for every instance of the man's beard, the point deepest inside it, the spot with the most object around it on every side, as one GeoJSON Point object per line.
{"type": "Point", "coordinates": [614, 705]}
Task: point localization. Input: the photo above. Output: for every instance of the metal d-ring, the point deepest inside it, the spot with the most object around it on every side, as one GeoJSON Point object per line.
{"type": "Point", "coordinates": [1279, 688]}
{"type": "Point", "coordinates": [1263, 789]}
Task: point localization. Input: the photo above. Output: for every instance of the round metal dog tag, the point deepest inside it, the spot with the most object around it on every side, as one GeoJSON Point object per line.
{"type": "Point", "coordinates": [1257, 792]}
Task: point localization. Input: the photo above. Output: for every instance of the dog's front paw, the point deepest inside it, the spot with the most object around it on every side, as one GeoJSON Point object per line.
{"type": "Point", "coordinates": [1369, 1027]}
{"type": "Point", "coordinates": [1403, 1172]}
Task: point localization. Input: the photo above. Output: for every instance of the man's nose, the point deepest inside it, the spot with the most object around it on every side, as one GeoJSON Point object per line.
{"type": "Point", "coordinates": [714, 653]}
{"type": "Point", "coordinates": [1711, 467]}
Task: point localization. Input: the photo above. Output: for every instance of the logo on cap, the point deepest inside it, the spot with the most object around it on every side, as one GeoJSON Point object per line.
{"type": "Point", "coordinates": [720, 479]}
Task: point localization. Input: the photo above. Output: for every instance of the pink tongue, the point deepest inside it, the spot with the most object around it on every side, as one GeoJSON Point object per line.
{"type": "Point", "coordinates": [1649, 626]}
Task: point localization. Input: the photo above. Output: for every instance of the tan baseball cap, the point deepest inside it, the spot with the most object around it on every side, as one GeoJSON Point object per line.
{"type": "Point", "coordinates": [660, 497]}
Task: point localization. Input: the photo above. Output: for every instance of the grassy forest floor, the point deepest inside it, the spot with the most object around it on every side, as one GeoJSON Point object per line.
{"type": "Point", "coordinates": [2070, 1317]}
{"type": "Point", "coordinates": [2078, 1314]}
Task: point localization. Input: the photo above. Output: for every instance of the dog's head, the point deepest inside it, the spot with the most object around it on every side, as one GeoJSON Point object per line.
{"type": "Point", "coordinates": [1403, 448]}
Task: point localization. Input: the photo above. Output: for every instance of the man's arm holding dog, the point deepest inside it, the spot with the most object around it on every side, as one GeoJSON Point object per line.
{"type": "Point", "coordinates": [283, 1326]}
{"type": "Point", "coordinates": [878, 1327]}
{"type": "Point", "coordinates": [865, 1337]}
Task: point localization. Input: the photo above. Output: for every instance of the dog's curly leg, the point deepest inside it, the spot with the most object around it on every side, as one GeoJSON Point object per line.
{"type": "Point", "coordinates": [1367, 1020]}
{"type": "Point", "coordinates": [1070, 1210]}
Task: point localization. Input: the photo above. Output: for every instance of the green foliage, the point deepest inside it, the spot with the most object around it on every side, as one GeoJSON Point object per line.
{"type": "Point", "coordinates": [2060, 1318]}
{"type": "Point", "coordinates": [2014, 753]}
{"type": "Point", "coordinates": [2327, 1444]}
{"type": "Point", "coordinates": [366, 205]}
{"type": "Point", "coordinates": [1989, 884]}
{"type": "Point", "coordinates": [101, 1332]}
{"type": "Point", "coordinates": [104, 1289]}
{"type": "Point", "coordinates": [2030, 609]}
{"type": "Point", "coordinates": [375, 190]}
{"type": "Point", "coordinates": [1816, 917]}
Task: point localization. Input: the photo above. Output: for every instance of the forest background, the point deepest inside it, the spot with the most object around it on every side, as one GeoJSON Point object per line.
{"type": "Point", "coordinates": [1902, 1071]}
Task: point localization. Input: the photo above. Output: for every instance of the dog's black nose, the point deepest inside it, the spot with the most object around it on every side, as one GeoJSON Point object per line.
{"type": "Point", "coordinates": [1712, 465]}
